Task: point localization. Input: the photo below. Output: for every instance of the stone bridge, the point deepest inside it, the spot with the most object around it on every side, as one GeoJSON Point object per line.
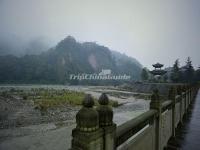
{"type": "Point", "coordinates": [152, 130]}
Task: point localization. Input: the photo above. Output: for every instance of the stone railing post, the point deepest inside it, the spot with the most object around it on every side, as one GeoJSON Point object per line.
{"type": "Point", "coordinates": [87, 135]}
{"type": "Point", "coordinates": [190, 95]}
{"type": "Point", "coordinates": [172, 97]}
{"type": "Point", "coordinates": [187, 95]}
{"type": "Point", "coordinates": [179, 92]}
{"type": "Point", "coordinates": [106, 122]}
{"type": "Point", "coordinates": [157, 104]}
{"type": "Point", "coordinates": [184, 96]}
{"type": "Point", "coordinates": [192, 92]}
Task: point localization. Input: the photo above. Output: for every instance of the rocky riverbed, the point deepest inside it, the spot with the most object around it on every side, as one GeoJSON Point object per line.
{"type": "Point", "coordinates": [24, 128]}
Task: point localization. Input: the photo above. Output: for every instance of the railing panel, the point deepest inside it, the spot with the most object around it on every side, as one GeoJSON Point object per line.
{"type": "Point", "coordinates": [183, 107]}
{"type": "Point", "coordinates": [177, 114]}
{"type": "Point", "coordinates": [144, 140]}
{"type": "Point", "coordinates": [186, 105]}
{"type": "Point", "coordinates": [166, 127]}
{"type": "Point", "coordinates": [166, 105]}
{"type": "Point", "coordinates": [131, 127]}
{"type": "Point", "coordinates": [187, 95]}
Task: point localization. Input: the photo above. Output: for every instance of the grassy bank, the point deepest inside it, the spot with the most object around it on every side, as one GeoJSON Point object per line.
{"type": "Point", "coordinates": [43, 99]}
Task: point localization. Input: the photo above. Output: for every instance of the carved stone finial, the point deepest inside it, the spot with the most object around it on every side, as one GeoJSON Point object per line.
{"type": "Point", "coordinates": [103, 99]}
{"type": "Point", "coordinates": [172, 93]}
{"type": "Point", "coordinates": [183, 88]}
{"type": "Point", "coordinates": [105, 111]}
{"type": "Point", "coordinates": [87, 118]}
{"type": "Point", "coordinates": [179, 90]}
{"type": "Point", "coordinates": [155, 96]}
{"type": "Point", "coordinates": [88, 101]}
{"type": "Point", "coordinates": [155, 100]}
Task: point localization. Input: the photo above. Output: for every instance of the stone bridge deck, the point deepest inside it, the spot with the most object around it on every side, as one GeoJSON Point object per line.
{"type": "Point", "coordinates": [188, 137]}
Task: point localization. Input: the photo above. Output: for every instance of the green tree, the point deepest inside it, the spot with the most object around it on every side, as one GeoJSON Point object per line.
{"type": "Point", "coordinates": [144, 74]}
{"type": "Point", "coordinates": [176, 72]}
{"type": "Point", "coordinates": [189, 71]}
{"type": "Point", "coordinates": [165, 78]}
{"type": "Point", "coordinates": [197, 75]}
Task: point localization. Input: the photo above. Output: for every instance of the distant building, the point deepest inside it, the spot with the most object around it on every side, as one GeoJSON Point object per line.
{"type": "Point", "coordinates": [105, 72]}
{"type": "Point", "coordinates": [158, 71]}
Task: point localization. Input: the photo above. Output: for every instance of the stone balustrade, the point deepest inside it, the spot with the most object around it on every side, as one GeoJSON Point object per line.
{"type": "Point", "coordinates": [151, 130]}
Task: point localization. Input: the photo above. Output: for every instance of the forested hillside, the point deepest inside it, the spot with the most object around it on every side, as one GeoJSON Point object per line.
{"type": "Point", "coordinates": [67, 57]}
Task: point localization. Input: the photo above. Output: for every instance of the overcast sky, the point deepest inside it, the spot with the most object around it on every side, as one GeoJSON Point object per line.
{"type": "Point", "coordinates": [149, 30]}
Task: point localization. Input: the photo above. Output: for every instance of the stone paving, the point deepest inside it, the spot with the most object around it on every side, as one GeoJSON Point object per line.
{"type": "Point", "coordinates": [191, 132]}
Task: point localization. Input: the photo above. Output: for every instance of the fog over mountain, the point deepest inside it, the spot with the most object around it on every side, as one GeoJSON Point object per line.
{"type": "Point", "coordinates": [13, 45]}
{"type": "Point", "coordinates": [150, 31]}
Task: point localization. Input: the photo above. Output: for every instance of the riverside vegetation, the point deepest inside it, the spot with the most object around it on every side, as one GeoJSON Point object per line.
{"type": "Point", "coordinates": [34, 105]}
{"type": "Point", "coordinates": [44, 99]}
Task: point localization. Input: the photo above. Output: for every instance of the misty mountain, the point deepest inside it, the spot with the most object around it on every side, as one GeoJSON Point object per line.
{"type": "Point", "coordinates": [67, 57]}
{"type": "Point", "coordinates": [14, 45]}
{"type": "Point", "coordinates": [11, 45]}
{"type": "Point", "coordinates": [126, 64]}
